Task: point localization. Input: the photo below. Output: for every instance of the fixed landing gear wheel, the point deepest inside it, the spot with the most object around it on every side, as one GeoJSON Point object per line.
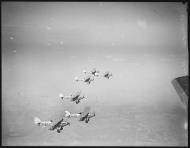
{"type": "Point", "coordinates": [87, 120]}
{"type": "Point", "coordinates": [58, 131]}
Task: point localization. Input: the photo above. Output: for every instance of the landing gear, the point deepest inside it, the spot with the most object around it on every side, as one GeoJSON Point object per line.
{"type": "Point", "coordinates": [87, 120]}
{"type": "Point", "coordinates": [77, 102]}
{"type": "Point", "coordinates": [60, 129]}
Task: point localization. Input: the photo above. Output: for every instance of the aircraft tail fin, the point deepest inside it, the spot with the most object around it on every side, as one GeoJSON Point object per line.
{"type": "Point", "coordinates": [67, 114]}
{"type": "Point", "coordinates": [76, 79]}
{"type": "Point", "coordinates": [61, 96]}
{"type": "Point", "coordinates": [37, 121]}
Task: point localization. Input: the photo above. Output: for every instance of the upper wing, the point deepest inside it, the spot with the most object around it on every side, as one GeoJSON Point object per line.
{"type": "Point", "coordinates": [75, 96]}
{"type": "Point", "coordinates": [83, 116]}
{"type": "Point", "coordinates": [55, 125]}
{"type": "Point", "coordinates": [87, 78]}
{"type": "Point", "coordinates": [85, 113]}
{"type": "Point", "coordinates": [81, 97]}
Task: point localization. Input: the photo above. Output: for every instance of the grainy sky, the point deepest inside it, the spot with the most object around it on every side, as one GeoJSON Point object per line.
{"type": "Point", "coordinates": [135, 25]}
{"type": "Point", "coordinates": [46, 44]}
{"type": "Point", "coordinates": [46, 36]}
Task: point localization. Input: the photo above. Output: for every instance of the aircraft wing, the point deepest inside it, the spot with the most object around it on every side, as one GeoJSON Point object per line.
{"type": "Point", "coordinates": [181, 86]}
{"type": "Point", "coordinates": [91, 115]}
{"type": "Point", "coordinates": [55, 125]}
{"type": "Point", "coordinates": [85, 113]}
{"type": "Point", "coordinates": [87, 77]}
{"type": "Point", "coordinates": [74, 96]}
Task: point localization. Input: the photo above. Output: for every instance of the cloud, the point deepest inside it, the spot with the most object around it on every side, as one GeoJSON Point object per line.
{"type": "Point", "coordinates": [101, 3]}
{"type": "Point", "coordinates": [118, 59]}
{"type": "Point", "coordinates": [73, 57]}
{"type": "Point", "coordinates": [113, 44]}
{"type": "Point", "coordinates": [165, 59]}
{"type": "Point", "coordinates": [168, 59]}
{"type": "Point", "coordinates": [108, 56]}
{"type": "Point", "coordinates": [114, 59]}
{"type": "Point", "coordinates": [11, 38]}
{"type": "Point", "coordinates": [49, 44]}
{"type": "Point", "coordinates": [48, 28]}
{"type": "Point", "coordinates": [61, 42]}
{"type": "Point", "coordinates": [142, 24]}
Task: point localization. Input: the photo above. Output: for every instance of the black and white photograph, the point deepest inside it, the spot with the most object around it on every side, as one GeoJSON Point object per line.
{"type": "Point", "coordinates": [94, 73]}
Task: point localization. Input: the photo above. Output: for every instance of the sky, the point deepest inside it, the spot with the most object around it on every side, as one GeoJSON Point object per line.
{"type": "Point", "coordinates": [145, 25]}
{"type": "Point", "coordinates": [81, 35]}
{"type": "Point", "coordinates": [46, 44]}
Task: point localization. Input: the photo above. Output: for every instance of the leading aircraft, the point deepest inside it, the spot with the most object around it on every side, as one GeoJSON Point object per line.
{"type": "Point", "coordinates": [77, 97]}
{"type": "Point", "coordinates": [107, 74]}
{"type": "Point", "coordinates": [94, 72]}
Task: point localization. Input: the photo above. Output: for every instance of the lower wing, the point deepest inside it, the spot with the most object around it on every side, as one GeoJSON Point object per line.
{"type": "Point", "coordinates": [55, 125]}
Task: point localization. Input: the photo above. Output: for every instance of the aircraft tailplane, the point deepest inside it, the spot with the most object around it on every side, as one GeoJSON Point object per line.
{"type": "Point", "coordinates": [37, 121]}
{"type": "Point", "coordinates": [61, 96]}
{"type": "Point", "coordinates": [76, 79]}
{"type": "Point", "coordinates": [67, 114]}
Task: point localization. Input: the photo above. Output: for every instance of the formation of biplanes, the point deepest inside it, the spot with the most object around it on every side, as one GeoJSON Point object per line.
{"type": "Point", "coordinates": [76, 97]}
